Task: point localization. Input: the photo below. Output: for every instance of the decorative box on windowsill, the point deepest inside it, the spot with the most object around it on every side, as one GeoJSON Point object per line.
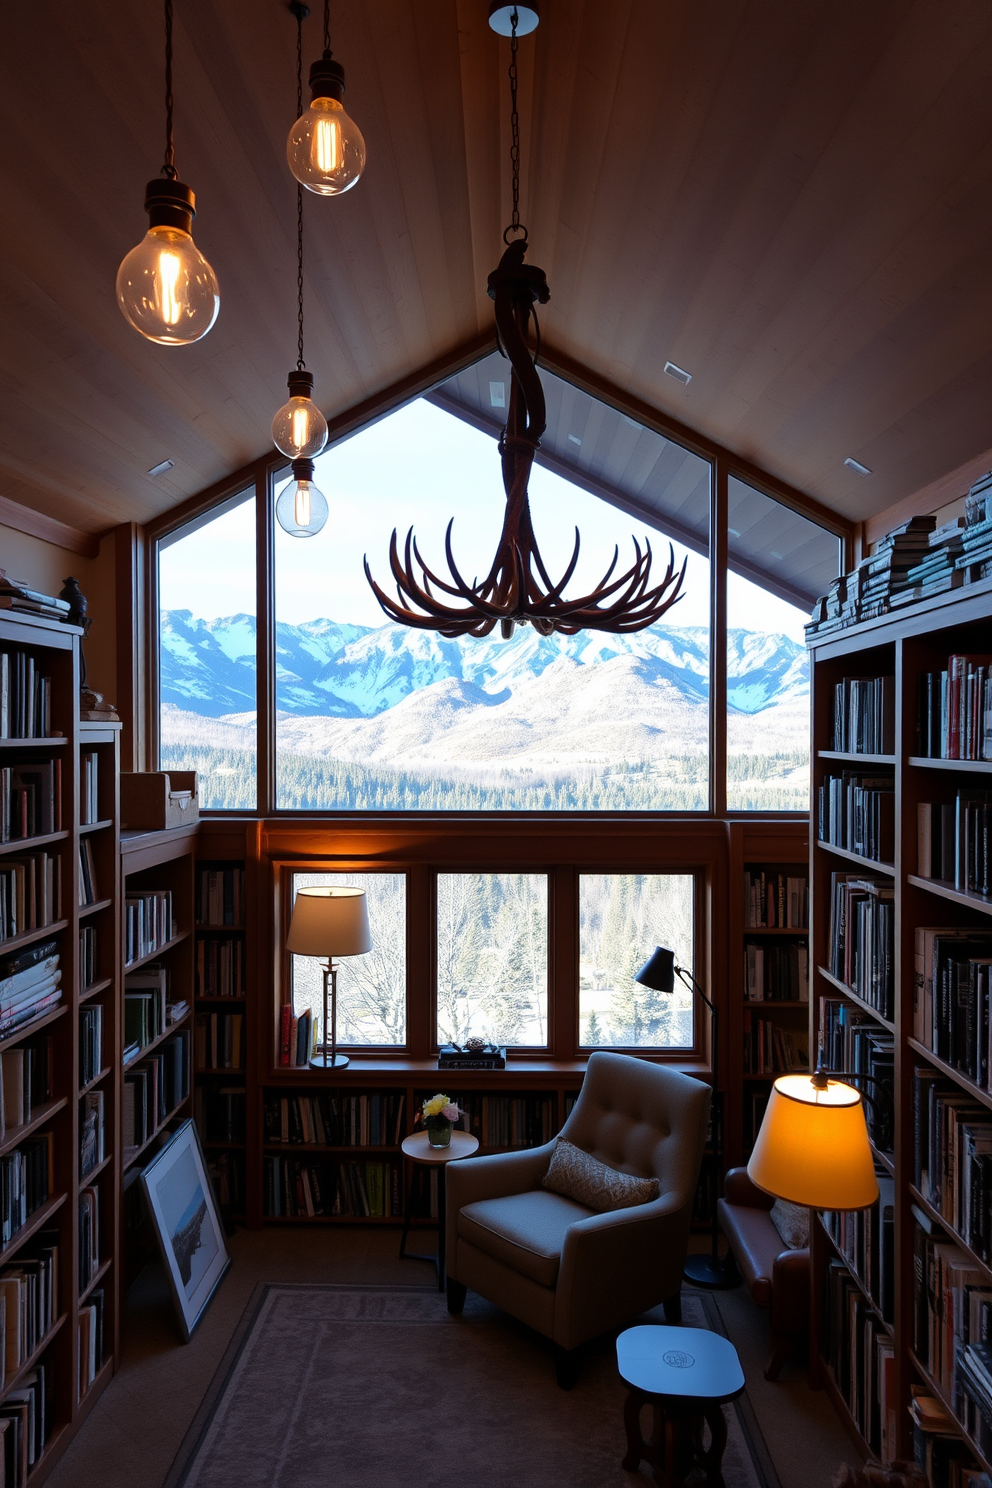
{"type": "Point", "coordinates": [155, 800]}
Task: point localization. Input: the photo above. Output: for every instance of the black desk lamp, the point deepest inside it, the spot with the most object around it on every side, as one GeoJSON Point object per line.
{"type": "Point", "coordinates": [659, 973]}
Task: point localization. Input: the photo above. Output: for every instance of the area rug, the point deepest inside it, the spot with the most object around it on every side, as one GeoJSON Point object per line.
{"type": "Point", "coordinates": [378, 1387]}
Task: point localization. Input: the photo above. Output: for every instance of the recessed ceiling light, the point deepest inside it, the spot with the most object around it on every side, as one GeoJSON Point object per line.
{"type": "Point", "coordinates": [856, 466]}
{"type": "Point", "coordinates": [161, 467]}
{"type": "Point", "coordinates": [574, 439]}
{"type": "Point", "coordinates": [679, 373]}
{"type": "Point", "coordinates": [497, 394]}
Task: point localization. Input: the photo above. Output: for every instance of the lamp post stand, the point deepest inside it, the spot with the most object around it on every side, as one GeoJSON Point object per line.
{"type": "Point", "coordinates": [326, 1055]}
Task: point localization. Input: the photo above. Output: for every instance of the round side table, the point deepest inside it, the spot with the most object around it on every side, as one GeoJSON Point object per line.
{"type": "Point", "coordinates": [419, 1150]}
{"type": "Point", "coordinates": [686, 1375]}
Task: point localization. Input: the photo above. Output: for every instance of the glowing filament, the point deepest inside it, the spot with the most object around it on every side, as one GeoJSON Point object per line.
{"type": "Point", "coordinates": [302, 505]}
{"type": "Point", "coordinates": [327, 146]}
{"type": "Point", "coordinates": [301, 427]}
{"type": "Point", "coordinates": [170, 306]}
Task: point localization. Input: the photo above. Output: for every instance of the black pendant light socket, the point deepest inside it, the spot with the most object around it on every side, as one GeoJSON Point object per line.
{"type": "Point", "coordinates": [327, 78]}
{"type": "Point", "coordinates": [300, 383]}
{"type": "Point", "coordinates": [302, 470]}
{"type": "Point", "coordinates": [170, 204]}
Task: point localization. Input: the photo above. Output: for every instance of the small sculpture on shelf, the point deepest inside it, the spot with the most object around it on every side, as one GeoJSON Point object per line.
{"type": "Point", "coordinates": [91, 704]}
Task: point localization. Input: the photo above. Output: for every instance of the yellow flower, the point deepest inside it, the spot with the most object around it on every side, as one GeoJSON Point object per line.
{"type": "Point", "coordinates": [435, 1105]}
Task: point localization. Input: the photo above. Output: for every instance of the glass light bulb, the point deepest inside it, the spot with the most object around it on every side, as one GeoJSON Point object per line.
{"type": "Point", "coordinates": [301, 509]}
{"type": "Point", "coordinates": [325, 149]}
{"type": "Point", "coordinates": [299, 429]}
{"type": "Point", "coordinates": [166, 288]}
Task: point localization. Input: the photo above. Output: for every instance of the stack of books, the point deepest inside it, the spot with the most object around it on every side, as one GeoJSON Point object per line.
{"type": "Point", "coordinates": [29, 985]}
{"type": "Point", "coordinates": [17, 596]}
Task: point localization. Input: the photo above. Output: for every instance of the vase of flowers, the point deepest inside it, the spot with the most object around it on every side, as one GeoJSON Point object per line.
{"type": "Point", "coordinates": [438, 1114]}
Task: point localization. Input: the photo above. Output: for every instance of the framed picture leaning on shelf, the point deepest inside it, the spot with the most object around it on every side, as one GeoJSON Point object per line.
{"type": "Point", "coordinates": [190, 1236]}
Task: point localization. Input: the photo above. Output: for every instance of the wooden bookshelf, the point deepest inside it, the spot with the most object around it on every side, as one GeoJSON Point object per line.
{"type": "Point", "coordinates": [906, 645]}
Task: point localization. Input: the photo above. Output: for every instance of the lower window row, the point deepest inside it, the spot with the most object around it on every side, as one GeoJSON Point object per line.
{"type": "Point", "coordinates": [492, 953]}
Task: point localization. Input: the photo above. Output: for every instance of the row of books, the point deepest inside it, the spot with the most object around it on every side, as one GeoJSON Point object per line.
{"type": "Point", "coordinates": [860, 1353]}
{"type": "Point", "coordinates": [952, 998]}
{"type": "Point", "coordinates": [333, 1119]}
{"type": "Point", "coordinates": [89, 787]}
{"type": "Point", "coordinates": [25, 1082]}
{"type": "Point", "coordinates": [864, 715]}
{"type": "Point", "coordinates": [776, 972]}
{"type": "Point", "coordinates": [938, 1448]}
{"type": "Point", "coordinates": [295, 1187]}
{"type": "Point", "coordinates": [148, 924]}
{"type": "Point", "coordinates": [954, 710]}
{"type": "Point", "coordinates": [954, 841]}
{"type": "Point", "coordinates": [154, 1087]}
{"type": "Point", "coordinates": [220, 1113]}
{"type": "Point", "coordinates": [29, 985]}
{"type": "Point", "coordinates": [297, 1036]}
{"type": "Point", "coordinates": [853, 1042]}
{"type": "Point", "coordinates": [30, 893]}
{"type": "Point", "coordinates": [861, 938]}
{"type": "Point", "coordinates": [29, 1301]}
{"type": "Point", "coordinates": [220, 896]}
{"type": "Point", "coordinates": [25, 697]}
{"type": "Point", "coordinates": [952, 1321]}
{"type": "Point", "coordinates": [953, 1158]}
{"type": "Point", "coordinates": [227, 1174]}
{"type": "Point", "coordinates": [92, 1132]}
{"type": "Point", "coordinates": [505, 1120]}
{"type": "Point", "coordinates": [90, 1339]}
{"type": "Point", "coordinates": [88, 1238]}
{"type": "Point", "coordinates": [220, 967]}
{"type": "Point", "coordinates": [146, 1007]}
{"type": "Point", "coordinates": [89, 962]}
{"type": "Point", "coordinates": [770, 1049]}
{"type": "Point", "coordinates": [775, 901]}
{"type": "Point", "coordinates": [89, 891]}
{"type": "Point", "coordinates": [27, 1177]}
{"type": "Point", "coordinates": [755, 1105]}
{"type": "Point", "coordinates": [866, 1240]}
{"type": "Point", "coordinates": [220, 1042]}
{"type": "Point", "coordinates": [90, 1042]}
{"type": "Point", "coordinates": [25, 1425]}
{"type": "Point", "coordinates": [857, 812]}
{"type": "Point", "coordinates": [30, 799]}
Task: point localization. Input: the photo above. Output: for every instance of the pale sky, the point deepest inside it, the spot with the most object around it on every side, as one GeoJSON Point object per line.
{"type": "Point", "coordinates": [421, 467]}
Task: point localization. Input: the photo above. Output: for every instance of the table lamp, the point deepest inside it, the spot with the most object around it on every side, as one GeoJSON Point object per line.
{"type": "Point", "coordinates": [813, 1145]}
{"type": "Point", "coordinates": [329, 922]}
{"type": "Point", "coordinates": [659, 973]}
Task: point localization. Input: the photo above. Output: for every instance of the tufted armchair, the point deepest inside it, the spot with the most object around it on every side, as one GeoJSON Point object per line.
{"type": "Point", "coordinates": [570, 1272]}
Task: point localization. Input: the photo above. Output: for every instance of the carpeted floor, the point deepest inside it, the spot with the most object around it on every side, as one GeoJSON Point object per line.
{"type": "Point", "coordinates": [138, 1432]}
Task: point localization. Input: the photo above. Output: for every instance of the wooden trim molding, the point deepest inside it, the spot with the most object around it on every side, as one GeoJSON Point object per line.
{"type": "Point", "coordinates": [49, 529]}
{"type": "Point", "coordinates": [951, 487]}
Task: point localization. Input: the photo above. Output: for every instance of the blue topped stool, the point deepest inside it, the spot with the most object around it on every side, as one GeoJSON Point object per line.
{"type": "Point", "coordinates": [686, 1375]}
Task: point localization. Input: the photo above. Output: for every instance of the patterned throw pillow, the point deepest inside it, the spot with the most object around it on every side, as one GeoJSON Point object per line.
{"type": "Point", "coordinates": [586, 1180]}
{"type": "Point", "coordinates": [792, 1223]}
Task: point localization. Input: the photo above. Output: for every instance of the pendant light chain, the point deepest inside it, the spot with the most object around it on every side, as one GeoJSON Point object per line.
{"type": "Point", "coordinates": [169, 167]}
{"type": "Point", "coordinates": [327, 28]}
{"type": "Point", "coordinates": [300, 363]}
{"type": "Point", "coordinates": [516, 225]}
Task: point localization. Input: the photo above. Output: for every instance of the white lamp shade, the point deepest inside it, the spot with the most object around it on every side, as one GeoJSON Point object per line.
{"type": "Point", "coordinates": [813, 1146]}
{"type": "Point", "coordinates": [329, 922]}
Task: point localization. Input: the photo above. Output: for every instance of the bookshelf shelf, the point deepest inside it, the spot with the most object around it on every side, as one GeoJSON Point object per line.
{"type": "Point", "coordinates": [15, 942]}
{"type": "Point", "coordinates": [884, 1159]}
{"type": "Point", "coordinates": [95, 988]}
{"type": "Point", "coordinates": [48, 743]}
{"type": "Point", "coordinates": [101, 1075]}
{"type": "Point", "coordinates": [975, 1091]}
{"type": "Point", "coordinates": [14, 1380]}
{"type": "Point", "coordinates": [28, 844]}
{"type": "Point", "coordinates": [95, 1280]}
{"type": "Point", "coordinates": [853, 1273]}
{"type": "Point", "coordinates": [94, 908]}
{"type": "Point", "coordinates": [36, 1220]}
{"type": "Point", "coordinates": [35, 1026]}
{"type": "Point", "coordinates": [945, 1224]}
{"type": "Point", "coordinates": [85, 1179]}
{"type": "Point", "coordinates": [856, 759]}
{"type": "Point", "coordinates": [97, 826]}
{"type": "Point", "coordinates": [932, 1384]}
{"type": "Point", "coordinates": [949, 892]}
{"type": "Point", "coordinates": [873, 865]}
{"type": "Point", "coordinates": [972, 767]}
{"type": "Point", "coordinates": [167, 945]}
{"type": "Point", "coordinates": [131, 1154]}
{"type": "Point", "coordinates": [39, 1116]}
{"type": "Point", "coordinates": [159, 1038]}
{"type": "Point", "coordinates": [852, 996]}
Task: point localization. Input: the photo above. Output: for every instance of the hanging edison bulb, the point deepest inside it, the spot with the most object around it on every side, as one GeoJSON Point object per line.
{"type": "Point", "coordinates": [165, 287]}
{"type": "Point", "coordinates": [301, 508]}
{"type": "Point", "coordinates": [299, 429]}
{"type": "Point", "coordinates": [325, 149]}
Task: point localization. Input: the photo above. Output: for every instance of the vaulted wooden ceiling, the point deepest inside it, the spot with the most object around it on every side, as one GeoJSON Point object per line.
{"type": "Point", "coordinates": [792, 201]}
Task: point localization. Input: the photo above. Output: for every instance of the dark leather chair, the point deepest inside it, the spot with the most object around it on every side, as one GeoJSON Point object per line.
{"type": "Point", "coordinates": [776, 1277]}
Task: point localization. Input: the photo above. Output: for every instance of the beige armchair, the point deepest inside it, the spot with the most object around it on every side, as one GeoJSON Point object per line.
{"type": "Point", "coordinates": [567, 1271]}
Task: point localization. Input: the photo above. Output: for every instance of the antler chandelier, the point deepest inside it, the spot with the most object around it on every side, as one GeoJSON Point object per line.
{"type": "Point", "coordinates": [518, 588]}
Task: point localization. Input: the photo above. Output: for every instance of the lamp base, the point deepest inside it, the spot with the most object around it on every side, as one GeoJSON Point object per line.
{"type": "Point", "coordinates": [323, 1060]}
{"type": "Point", "coordinates": [713, 1275]}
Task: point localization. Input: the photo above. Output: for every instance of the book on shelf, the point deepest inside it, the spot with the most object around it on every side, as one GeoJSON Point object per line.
{"type": "Point", "coordinates": [776, 971]}
{"type": "Point", "coordinates": [866, 1239]}
{"type": "Point", "coordinates": [30, 892]}
{"type": "Point", "coordinates": [861, 938]}
{"type": "Point", "coordinates": [25, 1423]}
{"type": "Point", "coordinates": [25, 696]}
{"type": "Point", "coordinates": [954, 710]}
{"type": "Point", "coordinates": [952, 1156]}
{"type": "Point", "coordinates": [953, 1314]}
{"type": "Point", "coordinates": [852, 1041]}
{"type": "Point", "coordinates": [27, 1178]}
{"type": "Point", "coordinates": [90, 1042]}
{"type": "Point", "coordinates": [91, 1131]}
{"type": "Point", "coordinates": [937, 1444]}
{"type": "Point", "coordinates": [953, 841]}
{"type": "Point", "coordinates": [88, 958]}
{"type": "Point", "coordinates": [336, 1119]}
{"type": "Point", "coordinates": [146, 998]}
{"type": "Point", "coordinates": [771, 1049]}
{"type": "Point", "coordinates": [860, 1357]}
{"type": "Point", "coordinates": [857, 812]}
{"type": "Point", "coordinates": [148, 923]}
{"type": "Point", "coordinates": [220, 1114]}
{"type": "Point", "coordinates": [297, 1036]}
{"type": "Point", "coordinates": [219, 1041]}
{"type": "Point", "coordinates": [220, 966]}
{"type": "Point", "coordinates": [775, 901]}
{"type": "Point", "coordinates": [220, 896]}
{"type": "Point", "coordinates": [29, 1299]}
{"type": "Point", "coordinates": [30, 799]}
{"type": "Point", "coordinates": [154, 1087]}
{"type": "Point", "coordinates": [88, 1238]}
{"type": "Point", "coordinates": [310, 1187]}
{"type": "Point", "coordinates": [29, 985]}
{"type": "Point", "coordinates": [90, 1339]}
{"type": "Point", "coordinates": [89, 774]}
{"type": "Point", "coordinates": [25, 1081]}
{"type": "Point", "coordinates": [89, 892]}
{"type": "Point", "coordinates": [227, 1174]}
{"type": "Point", "coordinates": [952, 997]}
{"type": "Point", "coordinates": [504, 1120]}
{"type": "Point", "coordinates": [864, 715]}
